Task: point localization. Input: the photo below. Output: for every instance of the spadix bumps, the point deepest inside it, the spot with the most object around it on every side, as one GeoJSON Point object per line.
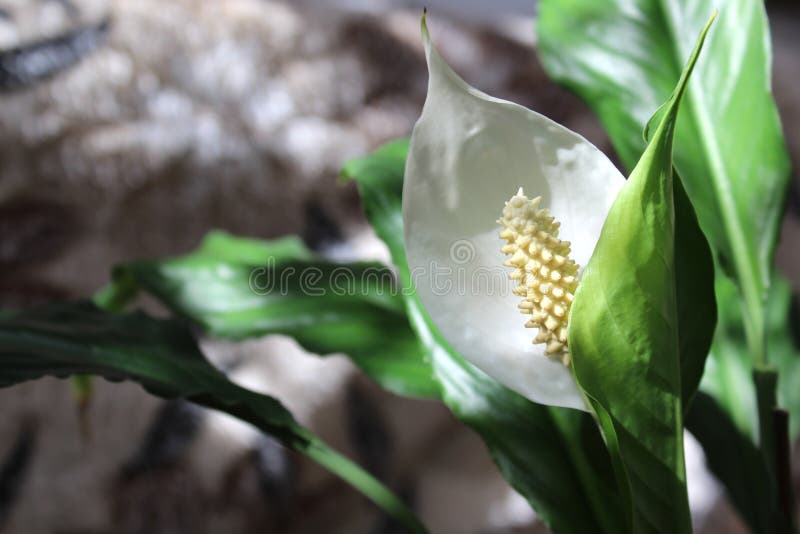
{"type": "Point", "coordinates": [546, 275]}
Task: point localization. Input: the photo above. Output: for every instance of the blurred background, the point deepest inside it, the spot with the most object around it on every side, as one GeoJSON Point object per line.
{"type": "Point", "coordinates": [130, 128]}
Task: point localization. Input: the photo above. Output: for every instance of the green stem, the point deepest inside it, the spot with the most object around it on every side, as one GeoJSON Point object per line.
{"type": "Point", "coordinates": [766, 381]}
{"type": "Point", "coordinates": [116, 296]}
{"type": "Point", "coordinates": [82, 391]}
{"type": "Point", "coordinates": [113, 298]}
{"type": "Point", "coordinates": [365, 483]}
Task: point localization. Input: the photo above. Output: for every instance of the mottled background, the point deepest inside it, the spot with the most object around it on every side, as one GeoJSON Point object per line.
{"type": "Point", "coordinates": [170, 118]}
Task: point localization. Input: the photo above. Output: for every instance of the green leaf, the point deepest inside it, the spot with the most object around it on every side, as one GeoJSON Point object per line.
{"type": "Point", "coordinates": [237, 288]}
{"type": "Point", "coordinates": [728, 144]}
{"type": "Point", "coordinates": [242, 250]}
{"type": "Point", "coordinates": [624, 333]}
{"type": "Point", "coordinates": [728, 147]}
{"type": "Point", "coordinates": [161, 355]}
{"type": "Point", "coordinates": [552, 456]}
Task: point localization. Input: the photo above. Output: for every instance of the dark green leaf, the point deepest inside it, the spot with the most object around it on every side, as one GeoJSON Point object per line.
{"type": "Point", "coordinates": [737, 463]}
{"type": "Point", "coordinates": [694, 293]}
{"type": "Point", "coordinates": [624, 333]}
{"type": "Point", "coordinates": [161, 355]}
{"type": "Point", "coordinates": [552, 456]}
{"type": "Point", "coordinates": [240, 288]}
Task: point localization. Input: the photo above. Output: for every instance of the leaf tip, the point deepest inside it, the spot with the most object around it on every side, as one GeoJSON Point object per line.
{"type": "Point", "coordinates": [670, 106]}
{"type": "Point", "coordinates": [698, 47]}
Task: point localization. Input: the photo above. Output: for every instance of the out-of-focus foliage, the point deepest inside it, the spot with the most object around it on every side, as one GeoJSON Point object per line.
{"type": "Point", "coordinates": [80, 338]}
{"type": "Point", "coordinates": [728, 375]}
{"type": "Point", "coordinates": [238, 288]}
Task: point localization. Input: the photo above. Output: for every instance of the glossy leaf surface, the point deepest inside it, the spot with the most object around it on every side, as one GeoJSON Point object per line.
{"type": "Point", "coordinates": [622, 58]}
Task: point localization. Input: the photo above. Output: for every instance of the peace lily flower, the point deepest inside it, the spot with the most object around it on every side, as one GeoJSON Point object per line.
{"type": "Point", "coordinates": [480, 251]}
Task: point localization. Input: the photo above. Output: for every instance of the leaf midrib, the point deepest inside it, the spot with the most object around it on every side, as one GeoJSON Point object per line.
{"type": "Point", "coordinates": [747, 278]}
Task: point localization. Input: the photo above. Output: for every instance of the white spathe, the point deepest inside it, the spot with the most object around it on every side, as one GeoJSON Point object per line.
{"type": "Point", "coordinates": [469, 154]}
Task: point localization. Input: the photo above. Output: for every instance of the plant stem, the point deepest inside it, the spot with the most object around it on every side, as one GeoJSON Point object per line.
{"type": "Point", "coordinates": [113, 298]}
{"type": "Point", "coordinates": [116, 295]}
{"type": "Point", "coordinates": [366, 484]}
{"type": "Point", "coordinates": [82, 390]}
{"type": "Point", "coordinates": [765, 380]}
{"type": "Point", "coordinates": [773, 430]}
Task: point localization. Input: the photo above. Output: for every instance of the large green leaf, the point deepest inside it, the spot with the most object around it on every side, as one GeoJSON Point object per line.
{"type": "Point", "coordinates": [79, 338]}
{"type": "Point", "coordinates": [238, 288]}
{"type": "Point", "coordinates": [728, 147]}
{"type": "Point", "coordinates": [624, 333]}
{"type": "Point", "coordinates": [728, 144]}
{"type": "Point", "coordinates": [553, 456]}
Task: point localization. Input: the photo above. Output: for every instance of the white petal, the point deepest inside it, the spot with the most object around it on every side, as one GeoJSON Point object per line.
{"type": "Point", "coordinates": [469, 154]}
